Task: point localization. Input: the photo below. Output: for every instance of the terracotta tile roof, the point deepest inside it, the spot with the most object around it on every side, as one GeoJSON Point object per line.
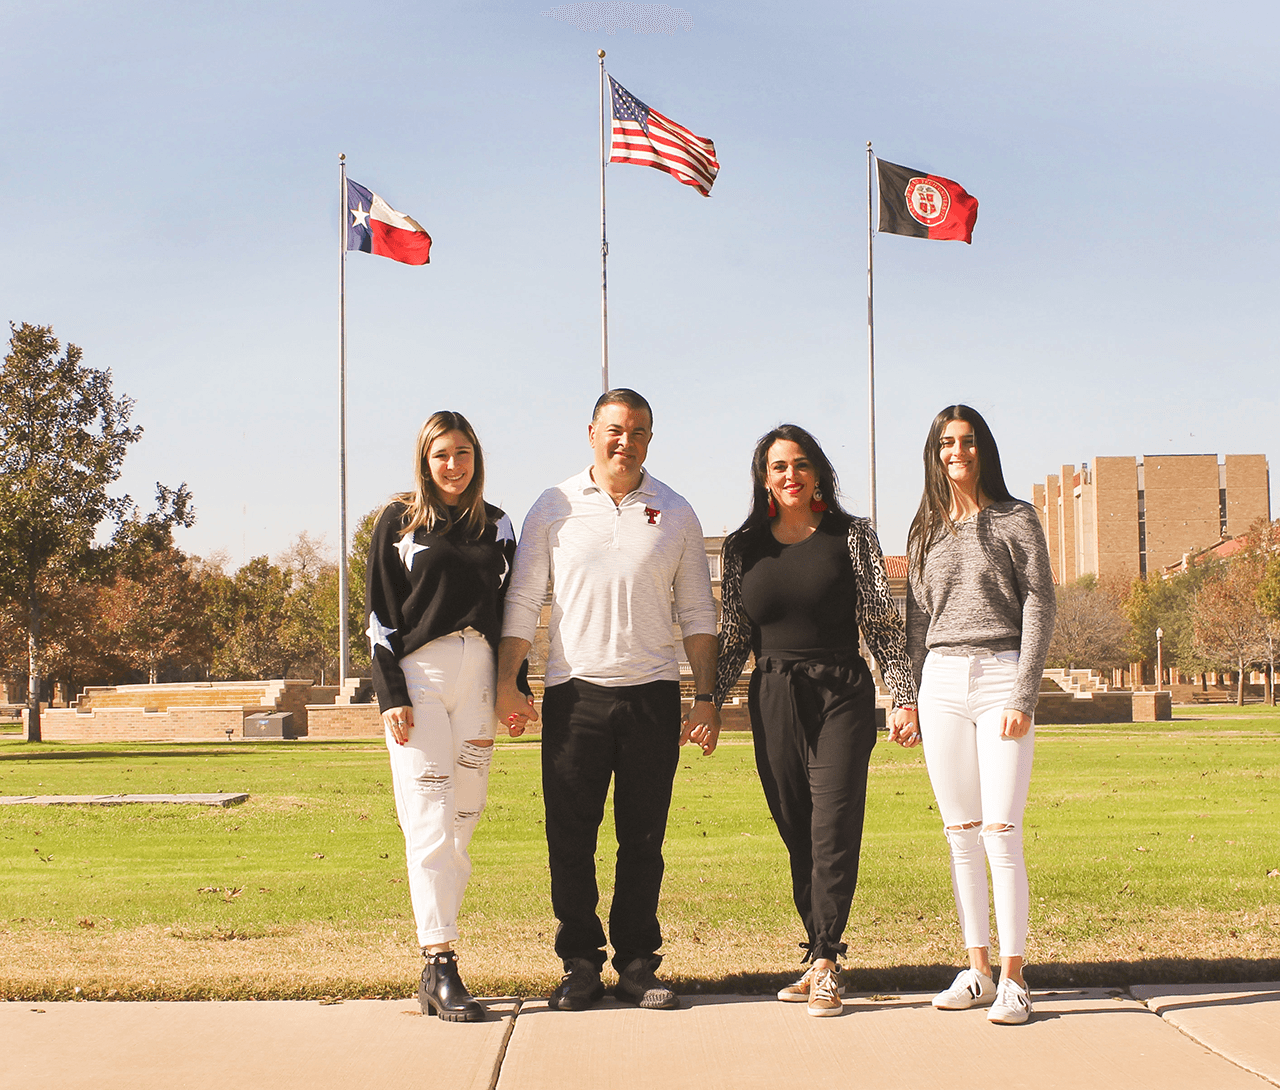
{"type": "Point", "coordinates": [1230, 547]}
{"type": "Point", "coordinates": [896, 566]}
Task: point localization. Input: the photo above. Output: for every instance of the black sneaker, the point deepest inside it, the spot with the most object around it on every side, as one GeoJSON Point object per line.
{"type": "Point", "coordinates": [579, 988]}
{"type": "Point", "coordinates": [638, 985]}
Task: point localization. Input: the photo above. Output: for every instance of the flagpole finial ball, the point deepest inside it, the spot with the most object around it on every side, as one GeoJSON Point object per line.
{"type": "Point", "coordinates": [600, 53]}
{"type": "Point", "coordinates": [342, 157]}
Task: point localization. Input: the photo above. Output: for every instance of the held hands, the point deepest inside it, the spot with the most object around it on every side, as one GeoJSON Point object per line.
{"type": "Point", "coordinates": [701, 726]}
{"type": "Point", "coordinates": [1014, 724]}
{"type": "Point", "coordinates": [399, 721]}
{"type": "Point", "coordinates": [514, 710]}
{"type": "Point", "coordinates": [904, 727]}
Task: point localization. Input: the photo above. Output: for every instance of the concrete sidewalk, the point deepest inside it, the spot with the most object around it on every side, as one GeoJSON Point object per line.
{"type": "Point", "coordinates": [1189, 1038]}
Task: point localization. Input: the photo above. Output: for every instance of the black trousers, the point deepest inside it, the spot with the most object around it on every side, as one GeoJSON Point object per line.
{"type": "Point", "coordinates": [591, 734]}
{"type": "Point", "coordinates": [813, 725]}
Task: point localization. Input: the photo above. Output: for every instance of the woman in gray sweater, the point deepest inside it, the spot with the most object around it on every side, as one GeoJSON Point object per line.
{"type": "Point", "coordinates": [980, 611]}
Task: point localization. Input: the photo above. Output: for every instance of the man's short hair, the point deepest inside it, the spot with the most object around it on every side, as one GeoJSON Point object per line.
{"type": "Point", "coordinates": [622, 396]}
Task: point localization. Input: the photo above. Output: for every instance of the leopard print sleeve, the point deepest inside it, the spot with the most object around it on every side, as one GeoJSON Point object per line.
{"type": "Point", "coordinates": [735, 628]}
{"type": "Point", "coordinates": [877, 617]}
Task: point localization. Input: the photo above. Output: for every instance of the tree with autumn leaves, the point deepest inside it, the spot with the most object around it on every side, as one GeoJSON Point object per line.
{"type": "Point", "coordinates": [76, 611]}
{"type": "Point", "coordinates": [64, 434]}
{"type": "Point", "coordinates": [1222, 613]}
{"type": "Point", "coordinates": [1091, 629]}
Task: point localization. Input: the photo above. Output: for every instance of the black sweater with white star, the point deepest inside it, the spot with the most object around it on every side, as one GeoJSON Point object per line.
{"type": "Point", "coordinates": [423, 586]}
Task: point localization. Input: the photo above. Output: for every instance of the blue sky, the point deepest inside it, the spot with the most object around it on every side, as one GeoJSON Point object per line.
{"type": "Point", "coordinates": [171, 184]}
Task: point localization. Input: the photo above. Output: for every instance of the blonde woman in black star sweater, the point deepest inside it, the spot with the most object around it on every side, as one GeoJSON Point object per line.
{"type": "Point", "coordinates": [438, 568]}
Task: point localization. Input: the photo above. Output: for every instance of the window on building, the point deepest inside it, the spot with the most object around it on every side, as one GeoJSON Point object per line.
{"type": "Point", "coordinates": [1142, 533]}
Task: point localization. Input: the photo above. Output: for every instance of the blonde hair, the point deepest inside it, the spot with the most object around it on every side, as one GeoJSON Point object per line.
{"type": "Point", "coordinates": [425, 507]}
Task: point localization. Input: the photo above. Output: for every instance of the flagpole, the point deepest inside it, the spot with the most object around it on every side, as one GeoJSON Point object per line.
{"type": "Point", "coordinates": [344, 591]}
{"type": "Point", "coordinates": [871, 355]}
{"type": "Point", "coordinates": [604, 245]}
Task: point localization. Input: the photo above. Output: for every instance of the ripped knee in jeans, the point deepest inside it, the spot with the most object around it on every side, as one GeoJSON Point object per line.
{"type": "Point", "coordinates": [476, 754]}
{"type": "Point", "coordinates": [431, 781]}
{"type": "Point", "coordinates": [964, 838]}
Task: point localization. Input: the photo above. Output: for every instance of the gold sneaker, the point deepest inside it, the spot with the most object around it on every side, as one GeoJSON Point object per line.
{"type": "Point", "coordinates": [799, 991]}
{"type": "Point", "coordinates": [824, 994]}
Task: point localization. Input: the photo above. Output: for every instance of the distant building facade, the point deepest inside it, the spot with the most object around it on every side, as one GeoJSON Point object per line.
{"type": "Point", "coordinates": [1118, 518]}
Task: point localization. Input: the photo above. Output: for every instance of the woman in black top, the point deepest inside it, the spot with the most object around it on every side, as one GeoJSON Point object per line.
{"type": "Point", "coordinates": [438, 568]}
{"type": "Point", "coordinates": [800, 578]}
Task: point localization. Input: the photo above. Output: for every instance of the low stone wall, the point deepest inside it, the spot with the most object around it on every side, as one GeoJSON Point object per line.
{"type": "Point", "coordinates": [194, 712]}
{"type": "Point", "coordinates": [1113, 707]}
{"type": "Point", "coordinates": [338, 721]}
{"type": "Point", "coordinates": [329, 721]}
{"type": "Point", "coordinates": [1152, 707]}
{"type": "Point", "coordinates": [138, 725]}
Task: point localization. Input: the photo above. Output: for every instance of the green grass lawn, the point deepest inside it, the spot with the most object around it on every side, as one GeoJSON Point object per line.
{"type": "Point", "coordinates": [1149, 848]}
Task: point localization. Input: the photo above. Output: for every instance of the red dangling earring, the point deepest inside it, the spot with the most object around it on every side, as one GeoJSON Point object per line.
{"type": "Point", "coordinates": [773, 507]}
{"type": "Point", "coordinates": [816, 503]}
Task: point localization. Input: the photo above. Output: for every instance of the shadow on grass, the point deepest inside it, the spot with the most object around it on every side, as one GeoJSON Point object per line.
{"type": "Point", "coordinates": [891, 980]}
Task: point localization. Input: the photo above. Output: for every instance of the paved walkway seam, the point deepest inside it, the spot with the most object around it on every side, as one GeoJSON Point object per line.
{"type": "Point", "coordinates": [1225, 1041]}
{"type": "Point", "coordinates": [502, 1048]}
{"type": "Point", "coordinates": [1206, 1045]}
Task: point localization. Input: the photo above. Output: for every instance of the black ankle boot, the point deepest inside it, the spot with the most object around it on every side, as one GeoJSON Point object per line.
{"type": "Point", "coordinates": [442, 992]}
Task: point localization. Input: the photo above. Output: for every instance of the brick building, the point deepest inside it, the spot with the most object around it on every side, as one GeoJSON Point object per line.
{"type": "Point", "coordinates": [1123, 517]}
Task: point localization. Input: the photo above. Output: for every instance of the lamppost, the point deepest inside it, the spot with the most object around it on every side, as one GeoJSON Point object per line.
{"type": "Point", "coordinates": [1159, 658]}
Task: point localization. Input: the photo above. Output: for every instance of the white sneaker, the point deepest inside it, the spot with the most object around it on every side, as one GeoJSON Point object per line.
{"type": "Point", "coordinates": [1013, 1004]}
{"type": "Point", "coordinates": [969, 989]}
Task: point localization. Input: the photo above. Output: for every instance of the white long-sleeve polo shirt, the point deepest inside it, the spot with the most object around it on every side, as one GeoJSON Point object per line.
{"type": "Point", "coordinates": [613, 569]}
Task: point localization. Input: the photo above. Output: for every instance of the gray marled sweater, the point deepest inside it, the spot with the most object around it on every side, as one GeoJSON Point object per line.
{"type": "Point", "coordinates": [987, 588]}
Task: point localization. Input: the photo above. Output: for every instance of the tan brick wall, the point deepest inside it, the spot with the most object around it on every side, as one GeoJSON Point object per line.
{"type": "Point", "coordinates": [1086, 526]}
{"type": "Point", "coordinates": [1118, 707]}
{"type": "Point", "coordinates": [1115, 502]}
{"type": "Point", "coordinates": [1068, 572]}
{"type": "Point", "coordinates": [298, 696]}
{"type": "Point", "coordinates": [1152, 707]}
{"type": "Point", "coordinates": [136, 725]}
{"type": "Point", "coordinates": [325, 721]}
{"type": "Point", "coordinates": [1182, 506]}
{"type": "Point", "coordinates": [1248, 491]}
{"type": "Point", "coordinates": [1053, 500]}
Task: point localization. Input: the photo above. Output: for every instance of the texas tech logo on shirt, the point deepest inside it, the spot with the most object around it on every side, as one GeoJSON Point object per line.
{"type": "Point", "coordinates": [653, 515]}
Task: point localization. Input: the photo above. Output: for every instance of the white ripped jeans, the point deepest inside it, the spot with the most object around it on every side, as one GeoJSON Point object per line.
{"type": "Point", "coordinates": [980, 780]}
{"type": "Point", "coordinates": [440, 776]}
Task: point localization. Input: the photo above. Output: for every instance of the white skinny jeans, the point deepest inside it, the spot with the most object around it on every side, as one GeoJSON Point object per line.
{"type": "Point", "coordinates": [980, 780]}
{"type": "Point", "coordinates": [440, 776]}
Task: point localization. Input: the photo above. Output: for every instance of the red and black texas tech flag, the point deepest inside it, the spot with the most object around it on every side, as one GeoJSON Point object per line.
{"type": "Point", "coordinates": [924, 205]}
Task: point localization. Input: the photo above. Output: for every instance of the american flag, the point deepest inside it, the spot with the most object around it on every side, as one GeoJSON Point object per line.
{"type": "Point", "coordinates": [644, 137]}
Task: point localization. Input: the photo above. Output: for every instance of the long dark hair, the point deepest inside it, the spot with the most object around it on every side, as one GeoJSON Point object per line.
{"type": "Point", "coordinates": [828, 485]}
{"type": "Point", "coordinates": [425, 506]}
{"type": "Point", "coordinates": [933, 517]}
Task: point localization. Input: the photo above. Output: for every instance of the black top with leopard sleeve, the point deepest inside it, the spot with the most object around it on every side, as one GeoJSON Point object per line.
{"type": "Point", "coordinates": [861, 601]}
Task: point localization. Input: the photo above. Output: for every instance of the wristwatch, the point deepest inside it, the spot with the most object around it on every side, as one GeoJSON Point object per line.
{"type": "Point", "coordinates": [707, 697]}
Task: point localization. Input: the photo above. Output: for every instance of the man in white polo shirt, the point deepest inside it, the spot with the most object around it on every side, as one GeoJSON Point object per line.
{"type": "Point", "coordinates": [615, 543]}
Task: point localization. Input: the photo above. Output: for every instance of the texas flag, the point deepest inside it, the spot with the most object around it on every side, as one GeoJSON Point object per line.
{"type": "Point", "coordinates": [376, 228]}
